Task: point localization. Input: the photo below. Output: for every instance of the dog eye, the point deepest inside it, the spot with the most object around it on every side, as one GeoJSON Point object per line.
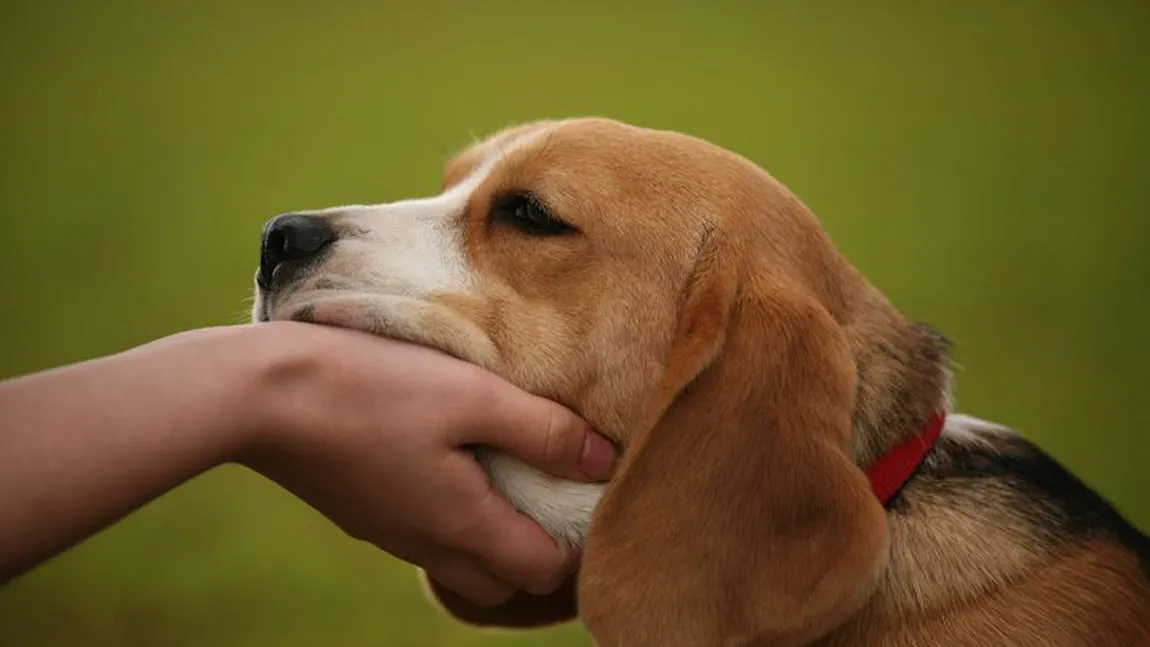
{"type": "Point", "coordinates": [528, 215]}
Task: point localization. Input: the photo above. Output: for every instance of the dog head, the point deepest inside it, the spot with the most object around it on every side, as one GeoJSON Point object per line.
{"type": "Point", "coordinates": [690, 308]}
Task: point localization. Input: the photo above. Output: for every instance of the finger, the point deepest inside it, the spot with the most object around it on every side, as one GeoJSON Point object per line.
{"type": "Point", "coordinates": [522, 611]}
{"type": "Point", "coordinates": [516, 549]}
{"type": "Point", "coordinates": [469, 579]}
{"type": "Point", "coordinates": [542, 434]}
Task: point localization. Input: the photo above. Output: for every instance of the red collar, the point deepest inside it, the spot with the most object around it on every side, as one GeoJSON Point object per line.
{"type": "Point", "coordinates": [893, 469]}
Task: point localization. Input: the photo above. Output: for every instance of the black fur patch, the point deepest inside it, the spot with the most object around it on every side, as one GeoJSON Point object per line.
{"type": "Point", "coordinates": [1059, 504]}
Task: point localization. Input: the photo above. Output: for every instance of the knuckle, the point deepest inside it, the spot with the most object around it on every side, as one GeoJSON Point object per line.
{"type": "Point", "coordinates": [470, 525]}
{"type": "Point", "coordinates": [472, 584]}
{"type": "Point", "coordinates": [492, 596]}
{"type": "Point", "coordinates": [480, 386]}
{"type": "Point", "coordinates": [545, 581]}
{"type": "Point", "coordinates": [478, 394]}
{"type": "Point", "coordinates": [561, 448]}
{"type": "Point", "coordinates": [457, 527]}
{"type": "Point", "coordinates": [552, 440]}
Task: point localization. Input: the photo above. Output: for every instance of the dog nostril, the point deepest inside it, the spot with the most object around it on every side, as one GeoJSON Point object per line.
{"type": "Point", "coordinates": [292, 237]}
{"type": "Point", "coordinates": [298, 237]}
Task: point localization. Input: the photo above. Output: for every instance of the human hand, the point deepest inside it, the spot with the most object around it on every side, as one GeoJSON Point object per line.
{"type": "Point", "coordinates": [371, 433]}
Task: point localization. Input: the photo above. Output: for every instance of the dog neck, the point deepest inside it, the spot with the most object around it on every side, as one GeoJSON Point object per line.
{"type": "Point", "coordinates": [903, 380]}
{"type": "Point", "coordinates": [895, 468]}
{"type": "Point", "coordinates": [902, 367]}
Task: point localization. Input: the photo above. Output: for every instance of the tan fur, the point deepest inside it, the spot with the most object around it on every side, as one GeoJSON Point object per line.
{"type": "Point", "coordinates": [951, 552]}
{"type": "Point", "coordinates": [1087, 596]}
{"type": "Point", "coordinates": [703, 320]}
{"type": "Point", "coordinates": [769, 363]}
{"type": "Point", "coordinates": [747, 311]}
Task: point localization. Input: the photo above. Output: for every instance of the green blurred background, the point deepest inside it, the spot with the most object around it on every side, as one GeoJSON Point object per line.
{"type": "Point", "coordinates": [984, 163]}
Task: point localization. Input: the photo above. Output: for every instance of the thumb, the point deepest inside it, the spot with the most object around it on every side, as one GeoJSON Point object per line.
{"type": "Point", "coordinates": [545, 435]}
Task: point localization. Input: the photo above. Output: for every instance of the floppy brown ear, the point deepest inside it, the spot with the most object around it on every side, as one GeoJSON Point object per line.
{"type": "Point", "coordinates": [739, 518]}
{"type": "Point", "coordinates": [523, 611]}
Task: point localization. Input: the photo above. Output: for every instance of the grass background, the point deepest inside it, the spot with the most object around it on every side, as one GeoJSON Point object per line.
{"type": "Point", "coordinates": [985, 163]}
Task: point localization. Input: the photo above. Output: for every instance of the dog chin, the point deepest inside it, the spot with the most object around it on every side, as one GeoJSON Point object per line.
{"type": "Point", "coordinates": [563, 508]}
{"type": "Point", "coordinates": [397, 317]}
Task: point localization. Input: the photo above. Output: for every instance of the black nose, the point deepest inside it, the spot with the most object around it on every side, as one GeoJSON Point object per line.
{"type": "Point", "coordinates": [292, 237]}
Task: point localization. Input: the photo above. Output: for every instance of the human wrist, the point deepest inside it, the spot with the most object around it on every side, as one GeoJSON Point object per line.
{"type": "Point", "coordinates": [277, 381]}
{"type": "Point", "coordinates": [216, 373]}
{"type": "Point", "coordinates": [223, 379]}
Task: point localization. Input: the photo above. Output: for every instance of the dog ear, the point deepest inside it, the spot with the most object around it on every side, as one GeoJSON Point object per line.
{"type": "Point", "coordinates": [522, 611]}
{"type": "Point", "coordinates": [737, 515]}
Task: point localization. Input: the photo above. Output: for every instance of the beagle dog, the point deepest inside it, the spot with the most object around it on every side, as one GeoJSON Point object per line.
{"type": "Point", "coordinates": [791, 472]}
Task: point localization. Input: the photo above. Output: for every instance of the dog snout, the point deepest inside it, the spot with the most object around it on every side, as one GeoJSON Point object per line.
{"type": "Point", "coordinates": [293, 238]}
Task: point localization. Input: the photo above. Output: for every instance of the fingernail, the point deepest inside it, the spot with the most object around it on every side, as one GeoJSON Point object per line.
{"type": "Point", "coordinates": [599, 458]}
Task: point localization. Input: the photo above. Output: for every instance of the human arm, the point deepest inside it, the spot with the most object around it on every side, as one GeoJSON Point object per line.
{"type": "Point", "coordinates": [365, 430]}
